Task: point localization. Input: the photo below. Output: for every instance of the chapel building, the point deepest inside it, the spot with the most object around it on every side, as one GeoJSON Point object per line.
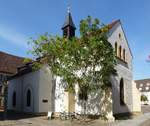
{"type": "Point", "coordinates": [40, 91]}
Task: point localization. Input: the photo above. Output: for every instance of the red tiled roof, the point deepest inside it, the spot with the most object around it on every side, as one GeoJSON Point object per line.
{"type": "Point", "coordinates": [9, 63]}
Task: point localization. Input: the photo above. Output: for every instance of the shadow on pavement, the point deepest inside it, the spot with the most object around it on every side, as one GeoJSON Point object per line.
{"type": "Point", "coordinates": [11, 115]}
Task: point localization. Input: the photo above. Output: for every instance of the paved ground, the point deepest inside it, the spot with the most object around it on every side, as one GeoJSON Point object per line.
{"type": "Point", "coordinates": [145, 108]}
{"type": "Point", "coordinates": [15, 119]}
{"type": "Point", "coordinates": [42, 121]}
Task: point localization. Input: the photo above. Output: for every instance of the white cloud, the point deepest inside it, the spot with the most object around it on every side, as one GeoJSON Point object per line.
{"type": "Point", "coordinates": [13, 36]}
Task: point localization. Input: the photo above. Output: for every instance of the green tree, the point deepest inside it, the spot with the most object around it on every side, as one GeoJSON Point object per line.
{"type": "Point", "coordinates": [88, 60]}
{"type": "Point", "coordinates": [144, 98]}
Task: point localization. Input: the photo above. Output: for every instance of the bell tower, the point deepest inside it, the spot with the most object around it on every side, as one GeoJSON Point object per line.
{"type": "Point", "coordinates": [68, 27]}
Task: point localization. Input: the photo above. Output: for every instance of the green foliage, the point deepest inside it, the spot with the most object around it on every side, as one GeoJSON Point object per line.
{"type": "Point", "coordinates": [27, 60]}
{"type": "Point", "coordinates": [87, 61]}
{"type": "Point", "coordinates": [144, 98]}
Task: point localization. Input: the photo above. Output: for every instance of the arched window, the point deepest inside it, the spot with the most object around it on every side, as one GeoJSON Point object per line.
{"type": "Point", "coordinates": [120, 51]}
{"type": "Point", "coordinates": [28, 98]}
{"type": "Point", "coordinates": [122, 92]}
{"type": "Point", "coordinates": [124, 54]}
{"type": "Point", "coordinates": [14, 99]}
{"type": "Point", "coordinates": [119, 36]}
{"type": "Point", "coordinates": [116, 48]}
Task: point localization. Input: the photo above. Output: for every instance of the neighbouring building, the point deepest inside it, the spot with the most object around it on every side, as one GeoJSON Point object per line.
{"type": "Point", "coordinates": [143, 86]}
{"type": "Point", "coordinates": [8, 67]}
{"type": "Point", "coordinates": [40, 91]}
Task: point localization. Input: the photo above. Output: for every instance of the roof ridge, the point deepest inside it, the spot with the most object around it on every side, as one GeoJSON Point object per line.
{"type": "Point", "coordinates": [12, 55]}
{"type": "Point", "coordinates": [113, 23]}
{"type": "Point", "coordinates": [142, 79]}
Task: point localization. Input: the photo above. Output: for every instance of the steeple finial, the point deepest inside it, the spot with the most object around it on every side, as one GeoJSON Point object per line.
{"type": "Point", "coordinates": [69, 6]}
{"type": "Point", "coordinates": [69, 9]}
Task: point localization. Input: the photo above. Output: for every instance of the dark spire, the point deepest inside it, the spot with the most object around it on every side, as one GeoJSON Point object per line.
{"type": "Point", "coordinates": [69, 27]}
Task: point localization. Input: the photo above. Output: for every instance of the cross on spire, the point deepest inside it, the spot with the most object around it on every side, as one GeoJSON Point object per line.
{"type": "Point", "coordinates": [69, 6]}
{"type": "Point", "coordinates": [69, 9]}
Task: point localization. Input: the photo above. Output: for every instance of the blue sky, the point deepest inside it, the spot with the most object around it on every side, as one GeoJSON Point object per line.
{"type": "Point", "coordinates": [22, 19]}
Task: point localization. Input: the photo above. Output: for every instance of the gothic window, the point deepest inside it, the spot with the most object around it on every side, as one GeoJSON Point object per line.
{"type": "Point", "coordinates": [14, 99]}
{"type": "Point", "coordinates": [122, 92]}
{"type": "Point", "coordinates": [120, 51]}
{"type": "Point", "coordinates": [28, 96]}
{"type": "Point", "coordinates": [119, 36]}
{"type": "Point", "coordinates": [116, 48]}
{"type": "Point", "coordinates": [124, 54]}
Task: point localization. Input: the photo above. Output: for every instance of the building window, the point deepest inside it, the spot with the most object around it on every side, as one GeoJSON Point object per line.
{"type": "Point", "coordinates": [120, 51]}
{"type": "Point", "coordinates": [148, 84]}
{"type": "Point", "coordinates": [28, 98]}
{"type": "Point", "coordinates": [14, 99]}
{"type": "Point", "coordinates": [124, 54]}
{"type": "Point", "coordinates": [141, 85]}
{"type": "Point", "coordinates": [122, 92]}
{"type": "Point", "coordinates": [147, 88]}
{"type": "Point", "coordinates": [116, 48]}
{"type": "Point", "coordinates": [119, 36]}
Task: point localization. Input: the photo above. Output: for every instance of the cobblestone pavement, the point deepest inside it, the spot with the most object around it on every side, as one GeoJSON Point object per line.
{"type": "Point", "coordinates": [26, 120]}
{"type": "Point", "coordinates": [42, 121]}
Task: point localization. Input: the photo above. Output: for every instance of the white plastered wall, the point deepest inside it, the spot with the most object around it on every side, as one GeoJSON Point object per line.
{"type": "Point", "coordinates": [46, 90]}
{"type": "Point", "coordinates": [40, 85]}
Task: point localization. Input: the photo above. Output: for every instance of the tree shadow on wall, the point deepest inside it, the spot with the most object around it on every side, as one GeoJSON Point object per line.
{"type": "Point", "coordinates": [105, 102]}
{"type": "Point", "coordinates": [99, 104]}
